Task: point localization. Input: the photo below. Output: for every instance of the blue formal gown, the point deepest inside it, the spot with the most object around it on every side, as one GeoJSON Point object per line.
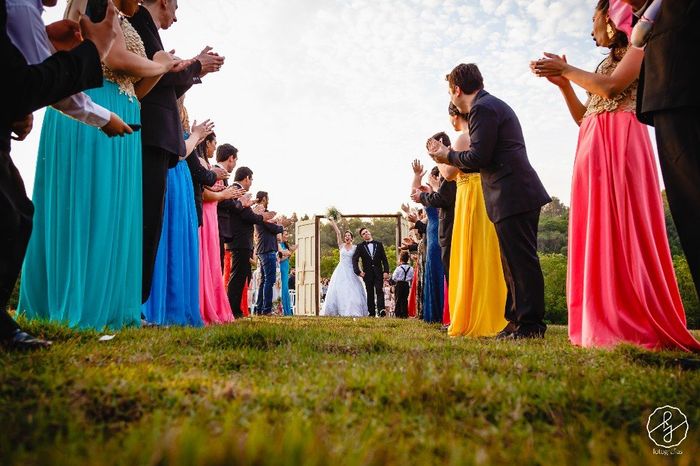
{"type": "Point", "coordinates": [174, 298]}
{"type": "Point", "coordinates": [284, 278]}
{"type": "Point", "coordinates": [434, 276]}
{"type": "Point", "coordinates": [83, 263]}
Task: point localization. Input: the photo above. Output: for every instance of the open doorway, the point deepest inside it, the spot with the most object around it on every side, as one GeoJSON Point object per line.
{"type": "Point", "coordinates": [317, 256]}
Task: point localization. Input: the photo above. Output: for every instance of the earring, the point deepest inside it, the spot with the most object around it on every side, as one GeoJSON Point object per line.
{"type": "Point", "coordinates": [611, 31]}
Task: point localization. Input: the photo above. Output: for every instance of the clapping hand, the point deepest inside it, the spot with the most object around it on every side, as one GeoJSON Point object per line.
{"type": "Point", "coordinates": [438, 151]}
{"type": "Point", "coordinates": [221, 174]}
{"type": "Point", "coordinates": [415, 196]}
{"type": "Point", "coordinates": [405, 208]}
{"type": "Point", "coordinates": [211, 61]}
{"type": "Point", "coordinates": [552, 67]}
{"type": "Point", "coordinates": [246, 200]}
{"type": "Point", "coordinates": [202, 130]}
{"type": "Point", "coordinates": [412, 217]}
{"type": "Point", "coordinates": [64, 34]}
{"type": "Point", "coordinates": [232, 192]}
{"type": "Point", "coordinates": [267, 216]}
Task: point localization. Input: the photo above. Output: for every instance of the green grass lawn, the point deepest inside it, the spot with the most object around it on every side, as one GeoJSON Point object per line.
{"type": "Point", "coordinates": [320, 391]}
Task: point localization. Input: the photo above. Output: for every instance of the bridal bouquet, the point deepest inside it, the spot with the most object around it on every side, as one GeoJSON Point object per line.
{"type": "Point", "coordinates": [333, 214]}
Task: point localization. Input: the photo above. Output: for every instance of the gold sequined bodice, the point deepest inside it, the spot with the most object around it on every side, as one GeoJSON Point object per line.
{"type": "Point", "coordinates": [625, 101]}
{"type": "Point", "coordinates": [463, 178]}
{"type": "Point", "coordinates": [134, 44]}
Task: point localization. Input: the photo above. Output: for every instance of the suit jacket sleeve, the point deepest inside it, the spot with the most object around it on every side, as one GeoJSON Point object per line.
{"type": "Point", "coordinates": [248, 216]}
{"type": "Point", "coordinates": [356, 261]}
{"type": "Point", "coordinates": [483, 130]}
{"type": "Point", "coordinates": [443, 198]}
{"type": "Point", "coordinates": [273, 227]}
{"type": "Point", "coordinates": [31, 87]}
{"type": "Point", "coordinates": [200, 174]}
{"type": "Point", "coordinates": [382, 257]}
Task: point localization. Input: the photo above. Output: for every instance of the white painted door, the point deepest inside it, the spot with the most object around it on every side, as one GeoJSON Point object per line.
{"type": "Point", "coordinates": [305, 235]}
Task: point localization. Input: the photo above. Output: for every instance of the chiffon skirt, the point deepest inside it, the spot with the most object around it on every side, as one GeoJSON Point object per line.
{"type": "Point", "coordinates": [213, 300]}
{"type": "Point", "coordinates": [83, 263]}
{"type": "Point", "coordinates": [621, 284]}
{"type": "Point", "coordinates": [477, 289]}
{"type": "Point", "coordinates": [174, 298]}
{"type": "Point", "coordinates": [434, 277]}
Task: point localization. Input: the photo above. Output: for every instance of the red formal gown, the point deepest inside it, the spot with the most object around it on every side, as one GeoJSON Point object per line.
{"type": "Point", "coordinates": [621, 285]}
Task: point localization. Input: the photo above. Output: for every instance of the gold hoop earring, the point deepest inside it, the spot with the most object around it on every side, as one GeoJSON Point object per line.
{"type": "Point", "coordinates": [611, 31]}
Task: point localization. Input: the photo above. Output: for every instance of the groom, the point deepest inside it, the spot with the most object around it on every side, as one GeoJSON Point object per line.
{"type": "Point", "coordinates": [375, 269]}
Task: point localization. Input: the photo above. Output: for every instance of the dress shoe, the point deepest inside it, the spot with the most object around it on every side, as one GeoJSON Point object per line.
{"type": "Point", "coordinates": [23, 341]}
{"type": "Point", "coordinates": [382, 313]}
{"type": "Point", "coordinates": [504, 335]}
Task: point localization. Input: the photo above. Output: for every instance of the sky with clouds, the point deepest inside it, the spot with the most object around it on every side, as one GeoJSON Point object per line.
{"type": "Point", "coordinates": [329, 101]}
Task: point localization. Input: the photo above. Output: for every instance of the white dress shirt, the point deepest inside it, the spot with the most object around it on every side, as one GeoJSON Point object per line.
{"type": "Point", "coordinates": [27, 32]}
{"type": "Point", "coordinates": [403, 273]}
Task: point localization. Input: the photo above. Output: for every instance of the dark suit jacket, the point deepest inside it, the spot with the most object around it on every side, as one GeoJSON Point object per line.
{"type": "Point", "coordinates": [510, 184]}
{"type": "Point", "coordinates": [443, 199]}
{"type": "Point", "coordinates": [373, 267]}
{"type": "Point", "coordinates": [27, 88]}
{"type": "Point", "coordinates": [201, 177]}
{"type": "Point", "coordinates": [239, 234]}
{"type": "Point", "coordinates": [160, 117]}
{"type": "Point", "coordinates": [670, 68]}
{"type": "Point", "coordinates": [222, 211]}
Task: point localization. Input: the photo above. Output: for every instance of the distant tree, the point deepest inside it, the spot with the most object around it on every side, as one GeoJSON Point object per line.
{"type": "Point", "coordinates": [552, 236]}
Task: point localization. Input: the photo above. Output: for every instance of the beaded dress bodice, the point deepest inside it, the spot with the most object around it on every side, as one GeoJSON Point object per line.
{"type": "Point", "coordinates": [134, 44]}
{"type": "Point", "coordinates": [625, 101]}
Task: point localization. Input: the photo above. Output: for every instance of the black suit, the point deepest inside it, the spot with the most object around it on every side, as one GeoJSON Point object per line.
{"type": "Point", "coordinates": [240, 242]}
{"type": "Point", "coordinates": [27, 88]}
{"type": "Point", "coordinates": [222, 212]}
{"type": "Point", "coordinates": [669, 99]}
{"type": "Point", "coordinates": [162, 137]}
{"type": "Point", "coordinates": [374, 266]}
{"type": "Point", "coordinates": [513, 194]}
{"type": "Point", "coordinates": [444, 200]}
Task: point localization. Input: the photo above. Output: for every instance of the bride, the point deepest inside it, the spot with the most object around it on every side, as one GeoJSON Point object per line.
{"type": "Point", "coordinates": [346, 295]}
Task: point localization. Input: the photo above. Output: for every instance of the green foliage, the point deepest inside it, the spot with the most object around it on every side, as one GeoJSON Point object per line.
{"type": "Point", "coordinates": [319, 391]}
{"type": "Point", "coordinates": [554, 272]}
{"type": "Point", "coordinates": [674, 241]}
{"type": "Point", "coordinates": [688, 293]}
{"type": "Point", "coordinates": [552, 235]}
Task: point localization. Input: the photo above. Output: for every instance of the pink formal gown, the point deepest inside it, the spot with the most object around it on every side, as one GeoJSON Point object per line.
{"type": "Point", "coordinates": [213, 301]}
{"type": "Point", "coordinates": [621, 285]}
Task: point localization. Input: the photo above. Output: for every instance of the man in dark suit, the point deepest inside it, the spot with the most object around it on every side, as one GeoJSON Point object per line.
{"type": "Point", "coordinates": [669, 99]}
{"type": "Point", "coordinates": [226, 159]}
{"type": "Point", "coordinates": [162, 135]}
{"type": "Point", "coordinates": [27, 88]}
{"type": "Point", "coordinates": [375, 269]}
{"type": "Point", "coordinates": [242, 220]}
{"type": "Point", "coordinates": [513, 194]}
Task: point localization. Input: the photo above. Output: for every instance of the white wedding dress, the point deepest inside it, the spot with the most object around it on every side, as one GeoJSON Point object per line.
{"type": "Point", "coordinates": [346, 295]}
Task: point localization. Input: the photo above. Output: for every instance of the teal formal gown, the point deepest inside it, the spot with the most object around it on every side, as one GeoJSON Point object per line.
{"type": "Point", "coordinates": [83, 263]}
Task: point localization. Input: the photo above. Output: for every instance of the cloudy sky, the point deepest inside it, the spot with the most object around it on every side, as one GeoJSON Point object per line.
{"type": "Point", "coordinates": [328, 101]}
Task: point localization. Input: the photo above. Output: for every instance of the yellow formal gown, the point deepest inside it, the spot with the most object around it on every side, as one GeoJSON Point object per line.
{"type": "Point", "coordinates": [477, 289]}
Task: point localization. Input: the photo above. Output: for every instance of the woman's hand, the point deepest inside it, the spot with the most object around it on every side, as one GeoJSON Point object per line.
{"type": "Point", "coordinates": [202, 130]}
{"type": "Point", "coordinates": [165, 59]}
{"type": "Point", "coordinates": [553, 67]}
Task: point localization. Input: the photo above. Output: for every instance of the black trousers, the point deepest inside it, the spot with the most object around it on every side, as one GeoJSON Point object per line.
{"type": "Point", "coordinates": [517, 237]}
{"type": "Point", "coordinates": [678, 142]}
{"type": "Point", "coordinates": [240, 272]}
{"type": "Point", "coordinates": [222, 251]}
{"type": "Point", "coordinates": [374, 285]}
{"type": "Point", "coordinates": [155, 163]}
{"type": "Point", "coordinates": [16, 211]}
{"type": "Point", "coordinates": [401, 292]}
{"type": "Point", "coordinates": [445, 256]}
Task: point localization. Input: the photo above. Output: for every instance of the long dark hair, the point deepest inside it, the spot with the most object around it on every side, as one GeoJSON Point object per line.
{"type": "Point", "coordinates": [201, 149]}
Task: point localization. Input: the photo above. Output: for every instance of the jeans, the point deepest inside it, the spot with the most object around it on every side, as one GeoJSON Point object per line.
{"type": "Point", "coordinates": [268, 274]}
